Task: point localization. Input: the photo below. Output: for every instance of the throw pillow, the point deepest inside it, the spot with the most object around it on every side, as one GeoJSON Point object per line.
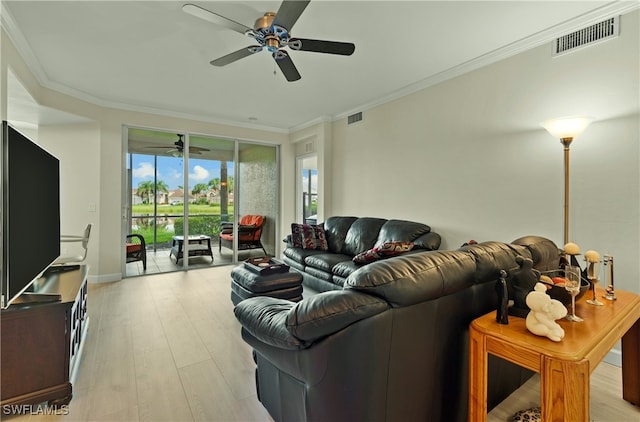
{"type": "Point", "coordinates": [531, 415]}
{"type": "Point", "coordinates": [394, 248]}
{"type": "Point", "coordinates": [386, 250]}
{"type": "Point", "coordinates": [307, 236]}
{"type": "Point", "coordinates": [366, 257]}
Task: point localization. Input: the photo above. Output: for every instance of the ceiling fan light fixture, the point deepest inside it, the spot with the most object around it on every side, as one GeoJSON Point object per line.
{"type": "Point", "coordinates": [271, 32]}
{"type": "Point", "coordinates": [295, 44]}
{"type": "Point", "coordinates": [280, 55]}
{"type": "Point", "coordinates": [264, 22]}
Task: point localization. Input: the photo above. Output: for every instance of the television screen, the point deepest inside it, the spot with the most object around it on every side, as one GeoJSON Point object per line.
{"type": "Point", "coordinates": [30, 212]}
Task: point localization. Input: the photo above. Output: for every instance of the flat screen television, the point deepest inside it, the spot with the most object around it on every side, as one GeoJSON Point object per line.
{"type": "Point", "coordinates": [30, 212]}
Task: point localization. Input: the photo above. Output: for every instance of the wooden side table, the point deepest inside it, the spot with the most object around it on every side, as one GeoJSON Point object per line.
{"type": "Point", "coordinates": [565, 366]}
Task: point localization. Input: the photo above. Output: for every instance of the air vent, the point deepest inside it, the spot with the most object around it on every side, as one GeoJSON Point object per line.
{"type": "Point", "coordinates": [354, 118]}
{"type": "Point", "coordinates": [590, 35]}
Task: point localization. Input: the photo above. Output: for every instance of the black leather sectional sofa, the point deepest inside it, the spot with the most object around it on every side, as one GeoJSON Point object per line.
{"type": "Point", "coordinates": [347, 237]}
{"type": "Point", "coordinates": [392, 343]}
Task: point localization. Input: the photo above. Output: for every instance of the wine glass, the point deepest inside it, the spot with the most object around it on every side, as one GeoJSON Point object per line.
{"type": "Point", "coordinates": [592, 275]}
{"type": "Point", "coordinates": [572, 285]}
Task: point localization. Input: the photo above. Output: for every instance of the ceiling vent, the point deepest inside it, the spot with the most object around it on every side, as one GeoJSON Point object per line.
{"type": "Point", "coordinates": [590, 35]}
{"type": "Point", "coordinates": [354, 118]}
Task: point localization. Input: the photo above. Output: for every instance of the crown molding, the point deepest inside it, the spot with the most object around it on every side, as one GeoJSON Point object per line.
{"type": "Point", "coordinates": [509, 50]}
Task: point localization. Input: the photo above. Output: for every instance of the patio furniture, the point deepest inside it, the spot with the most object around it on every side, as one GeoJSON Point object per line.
{"type": "Point", "coordinates": [199, 245]}
{"type": "Point", "coordinates": [136, 249]}
{"type": "Point", "coordinates": [78, 253]}
{"type": "Point", "coordinates": [249, 233]}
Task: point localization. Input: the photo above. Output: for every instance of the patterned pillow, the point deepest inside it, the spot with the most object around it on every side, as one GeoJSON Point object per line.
{"type": "Point", "coordinates": [307, 236]}
{"type": "Point", "coordinates": [386, 250]}
{"type": "Point", "coordinates": [394, 248]}
{"type": "Point", "coordinates": [531, 415]}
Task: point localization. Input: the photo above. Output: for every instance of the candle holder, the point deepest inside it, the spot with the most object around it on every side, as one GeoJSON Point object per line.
{"type": "Point", "coordinates": [592, 276]}
{"type": "Point", "coordinates": [608, 263]}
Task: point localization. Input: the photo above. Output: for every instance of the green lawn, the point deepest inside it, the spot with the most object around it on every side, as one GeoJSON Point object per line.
{"type": "Point", "coordinates": [203, 219]}
{"type": "Point", "coordinates": [147, 209]}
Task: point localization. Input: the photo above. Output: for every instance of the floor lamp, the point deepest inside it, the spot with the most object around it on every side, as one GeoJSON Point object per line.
{"type": "Point", "coordinates": [567, 129]}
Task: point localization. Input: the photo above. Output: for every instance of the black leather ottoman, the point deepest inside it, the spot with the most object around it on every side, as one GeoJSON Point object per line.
{"type": "Point", "coordinates": [246, 284]}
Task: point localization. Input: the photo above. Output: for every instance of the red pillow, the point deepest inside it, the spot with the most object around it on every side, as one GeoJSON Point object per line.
{"type": "Point", "coordinates": [386, 250]}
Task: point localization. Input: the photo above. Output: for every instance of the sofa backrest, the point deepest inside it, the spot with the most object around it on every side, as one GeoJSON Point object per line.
{"type": "Point", "coordinates": [335, 230]}
{"type": "Point", "coordinates": [401, 231]}
{"type": "Point", "coordinates": [353, 235]}
{"type": "Point", "coordinates": [409, 279]}
{"type": "Point", "coordinates": [413, 278]}
{"type": "Point", "coordinates": [362, 235]}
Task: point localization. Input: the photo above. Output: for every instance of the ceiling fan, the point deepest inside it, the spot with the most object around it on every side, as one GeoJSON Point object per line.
{"type": "Point", "coordinates": [179, 148]}
{"type": "Point", "coordinates": [272, 32]}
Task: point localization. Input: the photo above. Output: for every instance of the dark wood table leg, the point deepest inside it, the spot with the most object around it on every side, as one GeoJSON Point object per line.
{"type": "Point", "coordinates": [631, 365]}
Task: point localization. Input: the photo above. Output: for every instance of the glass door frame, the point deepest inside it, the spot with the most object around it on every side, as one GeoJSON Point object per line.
{"type": "Point", "coordinates": [127, 186]}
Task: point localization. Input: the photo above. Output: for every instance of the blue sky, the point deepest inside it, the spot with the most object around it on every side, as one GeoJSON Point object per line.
{"type": "Point", "coordinates": [200, 171]}
{"type": "Point", "coordinates": [170, 170]}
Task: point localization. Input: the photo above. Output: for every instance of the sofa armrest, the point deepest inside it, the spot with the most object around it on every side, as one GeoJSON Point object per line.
{"type": "Point", "coordinates": [326, 313]}
{"type": "Point", "coordinates": [265, 318]}
{"type": "Point", "coordinates": [428, 241]}
{"type": "Point", "coordinates": [294, 326]}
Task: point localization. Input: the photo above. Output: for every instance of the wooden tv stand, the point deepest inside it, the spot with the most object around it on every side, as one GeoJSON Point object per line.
{"type": "Point", "coordinates": [41, 339]}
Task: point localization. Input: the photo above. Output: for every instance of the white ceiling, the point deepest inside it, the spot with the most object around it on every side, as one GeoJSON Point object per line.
{"type": "Point", "coordinates": [152, 56]}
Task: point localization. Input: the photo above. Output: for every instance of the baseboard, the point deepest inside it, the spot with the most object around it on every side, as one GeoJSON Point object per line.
{"type": "Point", "coordinates": [614, 357]}
{"type": "Point", "coordinates": [104, 278]}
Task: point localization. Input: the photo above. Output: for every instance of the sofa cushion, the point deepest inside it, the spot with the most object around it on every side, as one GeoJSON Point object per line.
{"type": "Point", "coordinates": [344, 268]}
{"type": "Point", "coordinates": [325, 261]}
{"type": "Point", "coordinates": [318, 273]}
{"type": "Point", "coordinates": [328, 312]}
{"type": "Point", "coordinates": [415, 277]}
{"type": "Point", "coordinates": [545, 253]}
{"type": "Point", "coordinates": [428, 241]}
{"type": "Point", "coordinates": [492, 256]}
{"type": "Point", "coordinates": [299, 254]}
{"type": "Point", "coordinates": [307, 236]}
{"type": "Point", "coordinates": [401, 231]}
{"type": "Point", "coordinates": [265, 318]}
{"type": "Point", "coordinates": [362, 235]}
{"type": "Point", "coordinates": [335, 229]}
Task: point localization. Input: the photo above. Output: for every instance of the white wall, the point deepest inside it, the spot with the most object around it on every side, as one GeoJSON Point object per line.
{"type": "Point", "coordinates": [468, 156]}
{"type": "Point", "coordinates": [92, 159]}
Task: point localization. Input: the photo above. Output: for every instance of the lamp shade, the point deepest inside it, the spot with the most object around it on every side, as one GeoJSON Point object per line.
{"type": "Point", "coordinates": [567, 127]}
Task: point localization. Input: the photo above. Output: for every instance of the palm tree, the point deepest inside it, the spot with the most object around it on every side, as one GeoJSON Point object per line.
{"type": "Point", "coordinates": [161, 187]}
{"type": "Point", "coordinates": [215, 184]}
{"type": "Point", "coordinates": [148, 188]}
{"type": "Point", "coordinates": [145, 188]}
{"type": "Point", "coordinates": [199, 188]}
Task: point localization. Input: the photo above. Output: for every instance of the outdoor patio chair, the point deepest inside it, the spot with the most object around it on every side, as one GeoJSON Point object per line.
{"type": "Point", "coordinates": [249, 233]}
{"type": "Point", "coordinates": [136, 249]}
{"type": "Point", "coordinates": [73, 254]}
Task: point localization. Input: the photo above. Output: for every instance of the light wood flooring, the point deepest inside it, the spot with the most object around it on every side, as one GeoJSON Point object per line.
{"type": "Point", "coordinates": [167, 347]}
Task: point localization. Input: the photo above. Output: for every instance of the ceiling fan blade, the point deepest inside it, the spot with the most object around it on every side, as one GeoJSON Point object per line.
{"type": "Point", "coordinates": [236, 55]}
{"type": "Point", "coordinates": [321, 46]}
{"type": "Point", "coordinates": [286, 65]}
{"type": "Point", "coordinates": [289, 12]}
{"type": "Point", "coordinates": [201, 13]}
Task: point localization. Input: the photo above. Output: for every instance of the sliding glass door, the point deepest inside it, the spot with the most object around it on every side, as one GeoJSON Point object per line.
{"type": "Point", "coordinates": [184, 189]}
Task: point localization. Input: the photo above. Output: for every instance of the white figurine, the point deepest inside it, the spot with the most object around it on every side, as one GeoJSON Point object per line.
{"type": "Point", "coordinates": [541, 320]}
